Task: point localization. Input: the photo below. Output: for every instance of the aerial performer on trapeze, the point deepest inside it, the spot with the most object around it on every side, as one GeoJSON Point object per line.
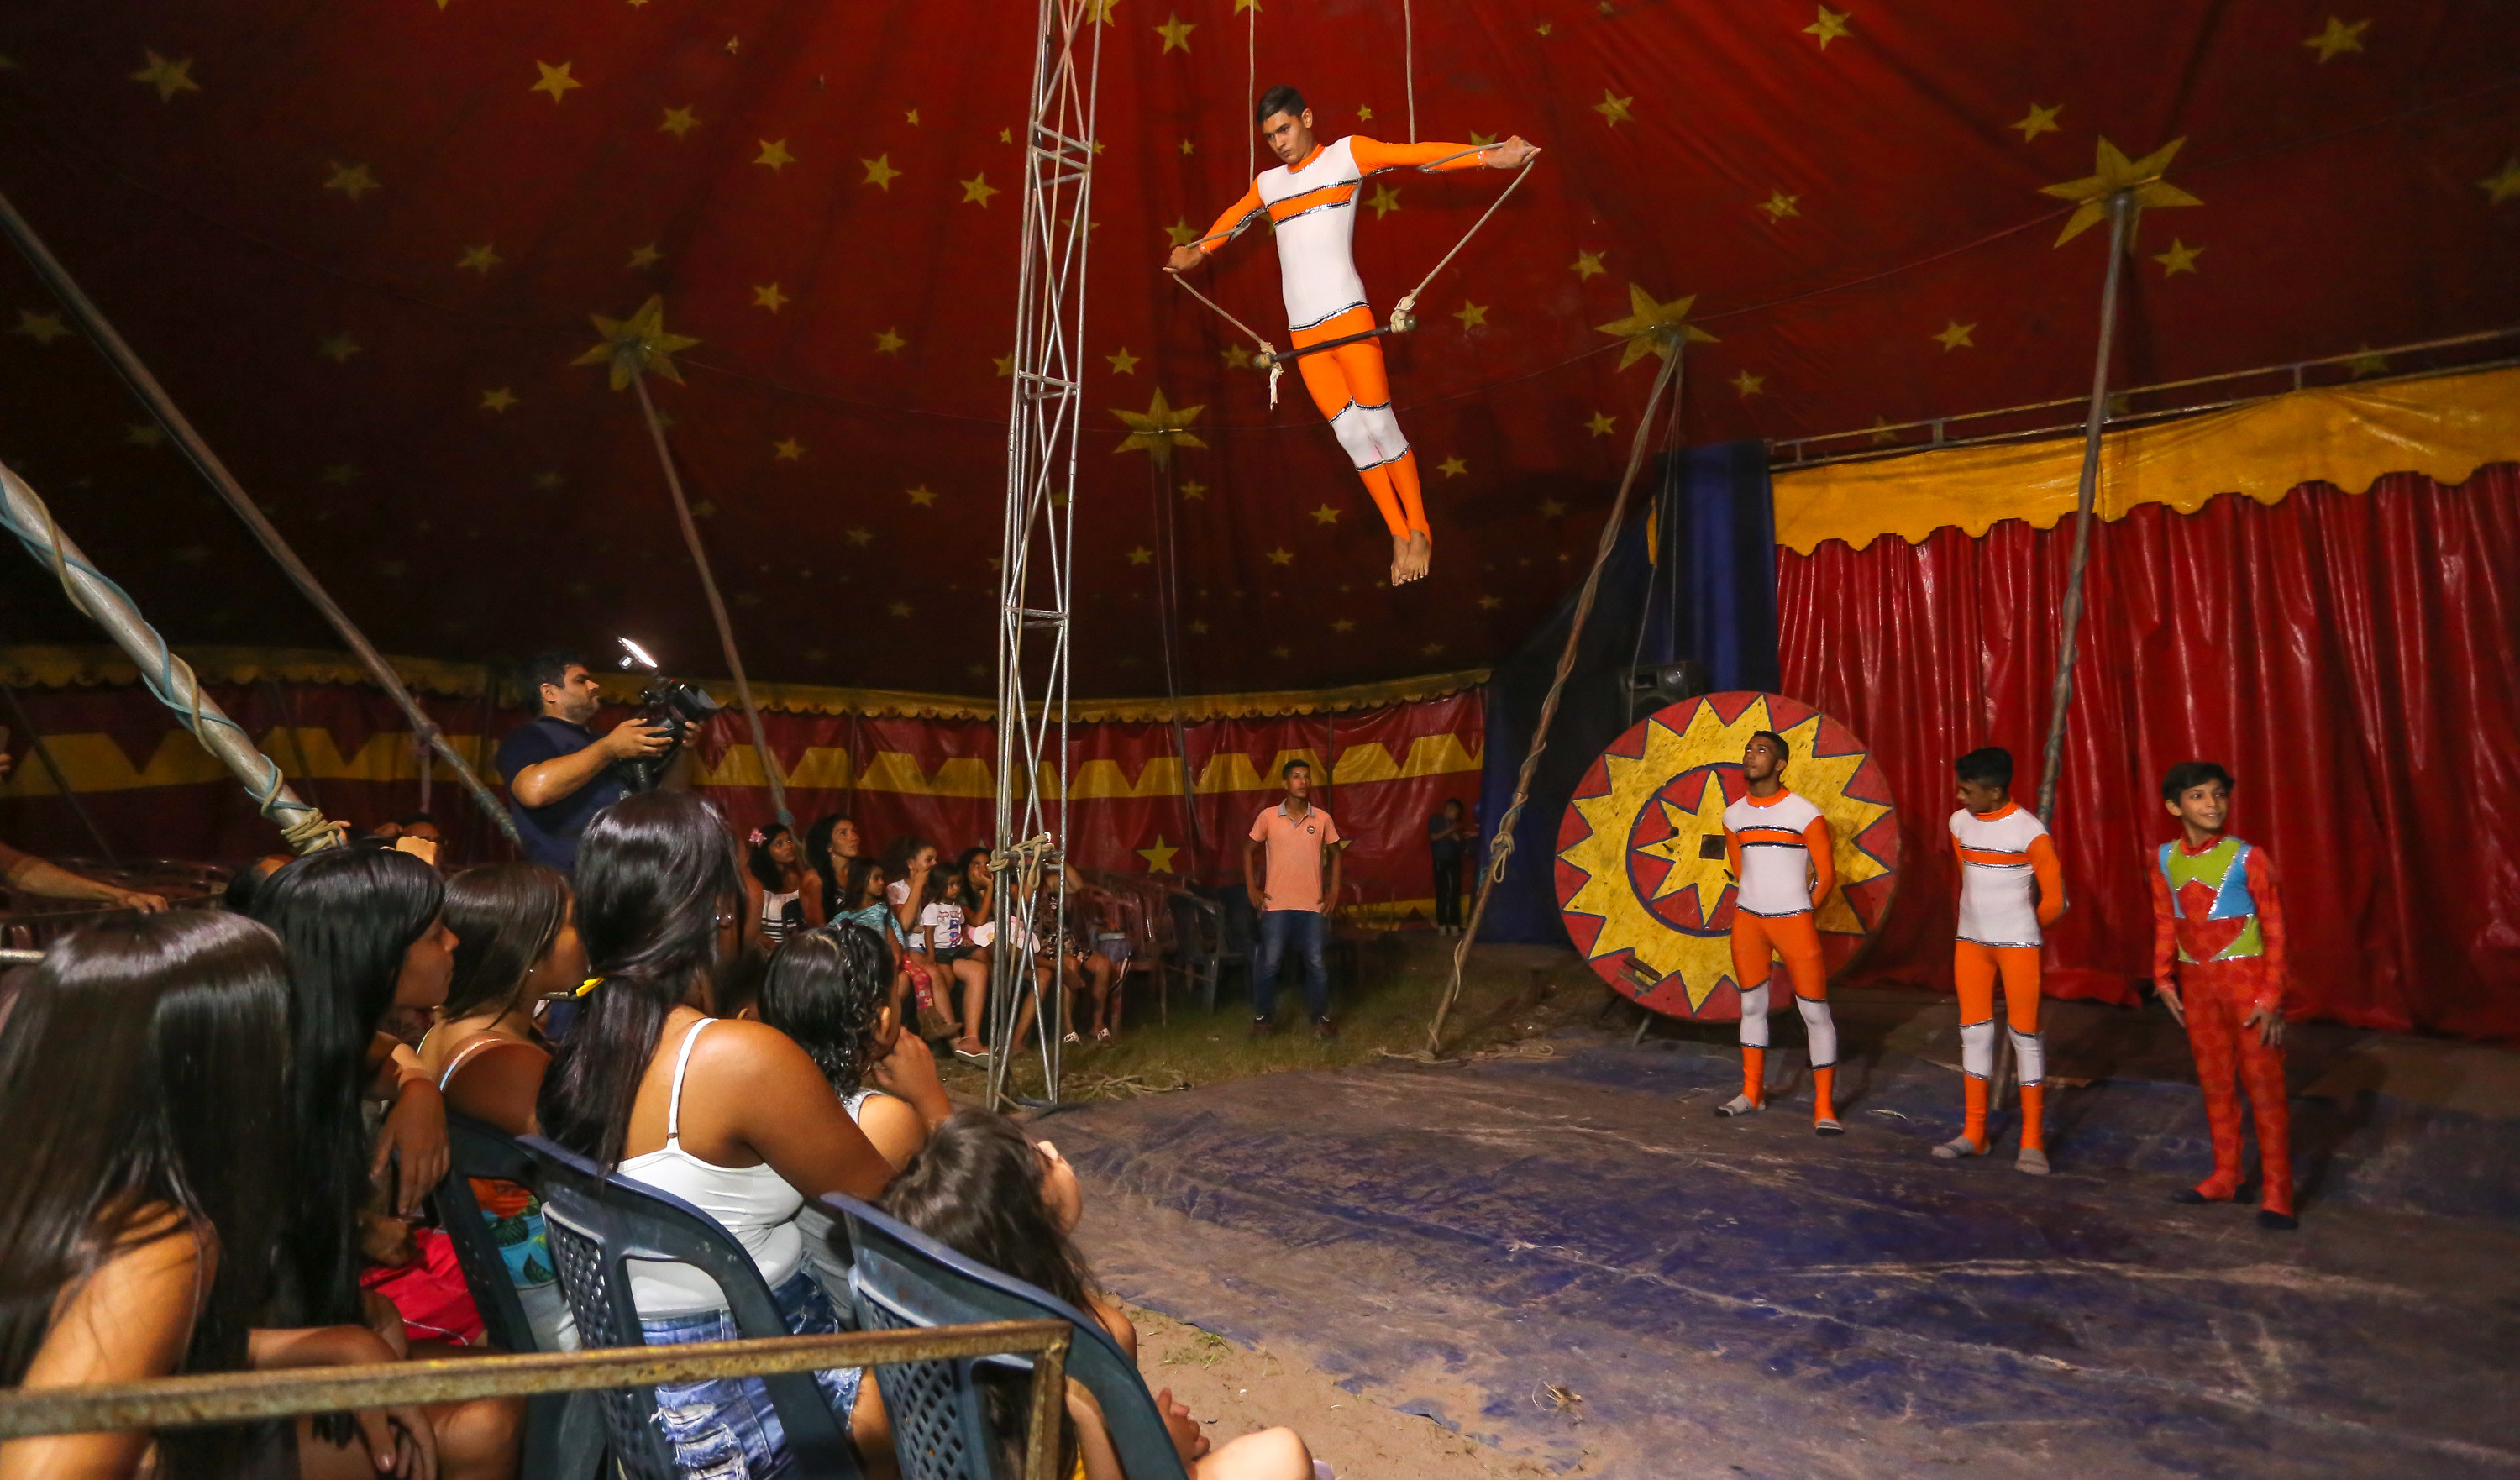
{"type": "Point", "coordinates": [1310, 200]}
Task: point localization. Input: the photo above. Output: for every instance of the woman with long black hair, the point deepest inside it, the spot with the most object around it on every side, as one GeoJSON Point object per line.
{"type": "Point", "coordinates": [729, 1115]}
{"type": "Point", "coordinates": [144, 1164]}
{"type": "Point", "coordinates": [781, 888]}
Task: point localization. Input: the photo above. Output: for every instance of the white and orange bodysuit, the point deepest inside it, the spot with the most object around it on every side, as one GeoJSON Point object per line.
{"type": "Point", "coordinates": [1779, 850]}
{"type": "Point", "coordinates": [2012, 887]}
{"type": "Point", "coordinates": [1311, 205]}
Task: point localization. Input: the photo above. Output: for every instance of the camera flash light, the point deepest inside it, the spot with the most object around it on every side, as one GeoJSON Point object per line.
{"type": "Point", "coordinates": [638, 654]}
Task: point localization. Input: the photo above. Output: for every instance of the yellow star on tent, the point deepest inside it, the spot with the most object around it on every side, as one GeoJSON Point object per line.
{"type": "Point", "coordinates": [1175, 33]}
{"type": "Point", "coordinates": [636, 345]}
{"type": "Point", "coordinates": [1384, 200]}
{"type": "Point", "coordinates": [977, 190]}
{"type": "Point", "coordinates": [788, 451]}
{"type": "Point", "coordinates": [1194, 491]}
{"type": "Point", "coordinates": [2336, 39]}
{"type": "Point", "coordinates": [2114, 172]}
{"type": "Point", "coordinates": [1472, 315]}
{"type": "Point", "coordinates": [923, 496]}
{"type": "Point", "coordinates": [143, 434]}
{"type": "Point", "coordinates": [645, 257]}
{"type": "Point", "coordinates": [339, 347]}
{"type": "Point", "coordinates": [679, 121]}
{"type": "Point", "coordinates": [1882, 431]}
{"type": "Point", "coordinates": [1123, 363]}
{"type": "Point", "coordinates": [1955, 335]}
{"type": "Point", "coordinates": [1831, 27]}
{"type": "Point", "coordinates": [1326, 515]}
{"type": "Point", "coordinates": [2181, 257]}
{"type": "Point", "coordinates": [1481, 140]}
{"type": "Point", "coordinates": [546, 481]}
{"type": "Point", "coordinates": [1005, 363]}
{"type": "Point", "coordinates": [351, 180]}
{"type": "Point", "coordinates": [1141, 555]}
{"type": "Point", "coordinates": [478, 259]}
{"type": "Point", "coordinates": [1159, 858]}
{"type": "Point", "coordinates": [1551, 509]}
{"type": "Point", "coordinates": [1490, 602]}
{"type": "Point", "coordinates": [1749, 385]}
{"type": "Point", "coordinates": [1431, 649]}
{"type": "Point", "coordinates": [888, 342]}
{"type": "Point", "coordinates": [2503, 185]}
{"type": "Point", "coordinates": [1006, 136]}
{"type": "Point", "coordinates": [861, 537]}
{"type": "Point", "coordinates": [1201, 628]}
{"type": "Point", "coordinates": [343, 475]}
{"type": "Point", "coordinates": [168, 77]}
{"type": "Point", "coordinates": [899, 609]}
{"type": "Point", "coordinates": [2039, 121]}
{"type": "Point", "coordinates": [767, 295]}
{"type": "Point", "coordinates": [879, 173]}
{"type": "Point", "coordinates": [1602, 424]}
{"type": "Point", "coordinates": [2366, 361]}
{"type": "Point", "coordinates": [1452, 468]}
{"type": "Point", "coordinates": [912, 116]}
{"type": "Point", "coordinates": [774, 152]}
{"type": "Point", "coordinates": [1541, 30]}
{"type": "Point", "coordinates": [1236, 357]}
{"type": "Point", "coordinates": [1612, 107]}
{"type": "Point", "coordinates": [1343, 626]}
{"type": "Point", "coordinates": [1181, 232]}
{"type": "Point", "coordinates": [1282, 556]}
{"type": "Point", "coordinates": [556, 80]}
{"type": "Point", "coordinates": [42, 328]}
{"type": "Point", "coordinates": [1189, 147]}
{"type": "Point", "coordinates": [498, 401]}
{"type": "Point", "coordinates": [1652, 328]}
{"type": "Point", "coordinates": [1239, 5]}
{"type": "Point", "coordinates": [1779, 206]}
{"type": "Point", "coordinates": [1158, 430]}
{"type": "Point", "coordinates": [1098, 12]}
{"type": "Point", "coordinates": [1588, 264]}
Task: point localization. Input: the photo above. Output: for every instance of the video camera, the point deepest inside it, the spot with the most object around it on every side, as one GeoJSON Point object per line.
{"type": "Point", "coordinates": [672, 705]}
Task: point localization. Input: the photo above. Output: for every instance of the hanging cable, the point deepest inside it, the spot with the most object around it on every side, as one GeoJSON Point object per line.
{"type": "Point", "coordinates": [1409, 65]}
{"type": "Point", "coordinates": [1251, 94]}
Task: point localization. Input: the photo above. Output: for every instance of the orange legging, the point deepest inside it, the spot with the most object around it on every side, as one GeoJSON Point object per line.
{"type": "Point", "coordinates": [1353, 375]}
{"type": "Point", "coordinates": [1974, 970]}
{"type": "Point", "coordinates": [1755, 937]}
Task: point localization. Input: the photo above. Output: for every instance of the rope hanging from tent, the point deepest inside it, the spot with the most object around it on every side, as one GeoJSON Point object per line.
{"type": "Point", "coordinates": [1403, 314]}
{"type": "Point", "coordinates": [1501, 849]}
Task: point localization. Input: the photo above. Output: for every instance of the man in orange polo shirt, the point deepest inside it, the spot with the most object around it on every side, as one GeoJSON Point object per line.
{"type": "Point", "coordinates": [1290, 845]}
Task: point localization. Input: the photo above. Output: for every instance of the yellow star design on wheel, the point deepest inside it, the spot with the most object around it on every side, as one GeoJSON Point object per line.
{"type": "Point", "coordinates": [679, 121]}
{"type": "Point", "coordinates": [2503, 184]}
{"type": "Point", "coordinates": [1384, 201]}
{"type": "Point", "coordinates": [2181, 257]}
{"type": "Point", "coordinates": [1588, 264]}
{"type": "Point", "coordinates": [923, 495]}
{"type": "Point", "coordinates": [1749, 385]}
{"type": "Point", "coordinates": [1452, 468]}
{"type": "Point", "coordinates": [767, 295]}
{"type": "Point", "coordinates": [888, 342]}
{"type": "Point", "coordinates": [1602, 424]}
{"type": "Point", "coordinates": [1472, 315]}
{"type": "Point", "coordinates": [2039, 121]}
{"type": "Point", "coordinates": [977, 190]}
{"type": "Point", "coordinates": [498, 401]}
{"type": "Point", "coordinates": [2337, 38]}
{"type": "Point", "coordinates": [636, 343]}
{"type": "Point", "coordinates": [1158, 430]}
{"type": "Point", "coordinates": [788, 451]}
{"type": "Point", "coordinates": [42, 328]}
{"type": "Point", "coordinates": [1779, 206]}
{"type": "Point", "coordinates": [880, 173]}
{"type": "Point", "coordinates": [1490, 602]}
{"type": "Point", "coordinates": [1175, 33]}
{"type": "Point", "coordinates": [774, 152]}
{"type": "Point", "coordinates": [1281, 556]}
{"type": "Point", "coordinates": [1709, 876]}
{"type": "Point", "coordinates": [1652, 328]}
{"type": "Point", "coordinates": [478, 259]}
{"type": "Point", "coordinates": [645, 257]}
{"type": "Point", "coordinates": [351, 180]}
{"type": "Point", "coordinates": [1182, 233]}
{"type": "Point", "coordinates": [1831, 27]}
{"type": "Point", "coordinates": [1955, 335]}
{"type": "Point", "coordinates": [1123, 363]}
{"type": "Point", "coordinates": [556, 80]}
{"type": "Point", "coordinates": [1326, 515]}
{"type": "Point", "coordinates": [168, 77]}
{"type": "Point", "coordinates": [1612, 107]}
{"type": "Point", "coordinates": [2114, 172]}
{"type": "Point", "coordinates": [339, 347]}
{"type": "Point", "coordinates": [1159, 858]}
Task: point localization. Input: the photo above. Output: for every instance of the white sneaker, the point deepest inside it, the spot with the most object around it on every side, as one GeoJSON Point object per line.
{"type": "Point", "coordinates": [2033, 1161]}
{"type": "Point", "coordinates": [1959, 1146]}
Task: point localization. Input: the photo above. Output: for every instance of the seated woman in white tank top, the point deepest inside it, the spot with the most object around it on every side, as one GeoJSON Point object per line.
{"type": "Point", "coordinates": [728, 1115]}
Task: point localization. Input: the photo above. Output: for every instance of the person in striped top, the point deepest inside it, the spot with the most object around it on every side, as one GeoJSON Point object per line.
{"type": "Point", "coordinates": [1779, 847]}
{"type": "Point", "coordinates": [2012, 889]}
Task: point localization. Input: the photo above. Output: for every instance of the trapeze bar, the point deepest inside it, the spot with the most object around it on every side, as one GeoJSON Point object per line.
{"type": "Point", "coordinates": [1288, 356]}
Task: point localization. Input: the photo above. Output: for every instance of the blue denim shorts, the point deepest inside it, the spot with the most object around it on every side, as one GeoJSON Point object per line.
{"type": "Point", "coordinates": [725, 1428]}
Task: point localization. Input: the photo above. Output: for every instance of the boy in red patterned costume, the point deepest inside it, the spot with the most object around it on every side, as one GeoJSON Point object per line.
{"type": "Point", "coordinates": [2218, 924]}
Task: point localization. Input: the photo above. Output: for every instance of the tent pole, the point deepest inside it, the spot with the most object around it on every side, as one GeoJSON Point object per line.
{"type": "Point", "coordinates": [716, 605]}
{"type": "Point", "coordinates": [162, 406]}
{"type": "Point", "coordinates": [2121, 225]}
{"type": "Point", "coordinates": [169, 677]}
{"type": "Point", "coordinates": [52, 769]}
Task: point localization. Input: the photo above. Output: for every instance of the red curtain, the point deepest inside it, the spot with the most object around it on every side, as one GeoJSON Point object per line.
{"type": "Point", "coordinates": [2349, 657]}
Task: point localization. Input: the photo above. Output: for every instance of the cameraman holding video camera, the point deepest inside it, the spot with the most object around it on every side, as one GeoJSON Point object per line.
{"type": "Point", "coordinates": [561, 773]}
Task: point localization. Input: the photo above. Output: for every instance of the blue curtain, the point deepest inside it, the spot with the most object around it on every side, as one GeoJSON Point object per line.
{"type": "Point", "coordinates": [1709, 593]}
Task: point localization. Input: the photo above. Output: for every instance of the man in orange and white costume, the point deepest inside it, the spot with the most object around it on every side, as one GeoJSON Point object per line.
{"type": "Point", "coordinates": [1780, 848]}
{"type": "Point", "coordinates": [2012, 889]}
{"type": "Point", "coordinates": [1311, 201]}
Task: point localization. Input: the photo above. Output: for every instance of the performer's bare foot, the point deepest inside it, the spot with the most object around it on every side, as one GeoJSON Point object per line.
{"type": "Point", "coordinates": [1410, 557]}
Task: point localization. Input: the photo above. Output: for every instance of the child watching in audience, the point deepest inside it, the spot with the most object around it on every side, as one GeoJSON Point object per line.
{"type": "Point", "coordinates": [909, 863]}
{"type": "Point", "coordinates": [833, 991]}
{"type": "Point", "coordinates": [870, 909]}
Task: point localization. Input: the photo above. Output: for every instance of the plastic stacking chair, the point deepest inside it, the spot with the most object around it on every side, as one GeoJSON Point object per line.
{"type": "Point", "coordinates": [563, 1431]}
{"type": "Point", "coordinates": [598, 1222]}
{"type": "Point", "coordinates": [900, 1277]}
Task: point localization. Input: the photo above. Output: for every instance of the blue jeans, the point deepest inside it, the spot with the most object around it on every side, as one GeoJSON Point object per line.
{"type": "Point", "coordinates": [1277, 928]}
{"type": "Point", "coordinates": [724, 1428]}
